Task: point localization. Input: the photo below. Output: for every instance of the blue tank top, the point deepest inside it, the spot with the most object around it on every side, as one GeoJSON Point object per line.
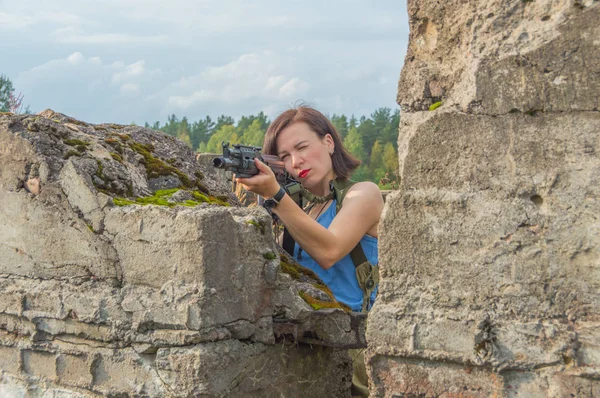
{"type": "Point", "coordinates": [341, 277]}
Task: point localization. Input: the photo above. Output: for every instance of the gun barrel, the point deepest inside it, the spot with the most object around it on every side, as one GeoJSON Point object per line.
{"type": "Point", "coordinates": [222, 163]}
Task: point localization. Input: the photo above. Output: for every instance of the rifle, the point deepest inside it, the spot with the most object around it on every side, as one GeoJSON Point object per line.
{"type": "Point", "coordinates": [240, 161]}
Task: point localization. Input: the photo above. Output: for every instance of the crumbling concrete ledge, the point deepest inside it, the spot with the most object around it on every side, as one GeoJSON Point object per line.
{"type": "Point", "coordinates": [104, 294]}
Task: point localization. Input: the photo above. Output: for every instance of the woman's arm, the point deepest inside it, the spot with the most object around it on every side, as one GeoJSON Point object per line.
{"type": "Point", "coordinates": [361, 211]}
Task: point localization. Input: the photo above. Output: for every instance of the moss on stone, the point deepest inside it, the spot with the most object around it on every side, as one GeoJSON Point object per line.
{"type": "Point", "coordinates": [100, 169]}
{"type": "Point", "coordinates": [156, 167]}
{"type": "Point", "coordinates": [123, 202]}
{"type": "Point", "coordinates": [267, 255]}
{"type": "Point", "coordinates": [261, 228]}
{"type": "Point", "coordinates": [161, 198]}
{"type": "Point", "coordinates": [72, 152]}
{"type": "Point", "coordinates": [203, 198]}
{"type": "Point", "coordinates": [116, 157]}
{"type": "Point", "coordinates": [296, 270]}
{"type": "Point", "coordinates": [76, 143]}
{"type": "Point", "coordinates": [435, 105]}
{"type": "Point", "coordinates": [318, 304]}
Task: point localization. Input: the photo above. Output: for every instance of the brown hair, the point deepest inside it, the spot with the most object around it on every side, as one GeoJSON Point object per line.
{"type": "Point", "coordinates": [343, 162]}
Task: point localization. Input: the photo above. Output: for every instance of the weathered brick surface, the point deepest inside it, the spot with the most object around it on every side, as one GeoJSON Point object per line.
{"type": "Point", "coordinates": [145, 301]}
{"type": "Point", "coordinates": [39, 363]}
{"type": "Point", "coordinates": [10, 359]}
{"type": "Point", "coordinates": [489, 251]}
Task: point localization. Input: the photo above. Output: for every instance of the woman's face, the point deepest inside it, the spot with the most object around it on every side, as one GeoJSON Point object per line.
{"type": "Point", "coordinates": [306, 156]}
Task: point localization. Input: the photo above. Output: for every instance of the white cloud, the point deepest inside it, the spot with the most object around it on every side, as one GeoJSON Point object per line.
{"type": "Point", "coordinates": [69, 37]}
{"type": "Point", "coordinates": [129, 89]}
{"type": "Point", "coordinates": [134, 70]}
{"type": "Point", "coordinates": [262, 78]}
{"type": "Point", "coordinates": [141, 60]}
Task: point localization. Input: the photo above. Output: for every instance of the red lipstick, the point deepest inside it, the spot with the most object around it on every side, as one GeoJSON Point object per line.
{"type": "Point", "coordinates": [303, 173]}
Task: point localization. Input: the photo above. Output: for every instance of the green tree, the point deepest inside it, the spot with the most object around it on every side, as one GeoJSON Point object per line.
{"type": "Point", "coordinates": [354, 144]}
{"type": "Point", "coordinates": [226, 133]}
{"type": "Point", "coordinates": [390, 161]}
{"type": "Point", "coordinates": [376, 159]}
{"type": "Point", "coordinates": [6, 91]}
{"type": "Point", "coordinates": [367, 131]}
{"type": "Point", "coordinates": [253, 134]}
{"type": "Point", "coordinates": [341, 124]}
{"type": "Point", "coordinates": [200, 132]}
{"type": "Point", "coordinates": [183, 131]}
{"type": "Point", "coordinates": [223, 120]}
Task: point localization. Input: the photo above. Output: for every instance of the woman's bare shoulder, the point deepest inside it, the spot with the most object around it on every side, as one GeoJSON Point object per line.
{"type": "Point", "coordinates": [365, 189]}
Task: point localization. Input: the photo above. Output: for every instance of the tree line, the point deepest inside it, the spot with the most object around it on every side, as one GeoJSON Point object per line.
{"type": "Point", "coordinates": [371, 139]}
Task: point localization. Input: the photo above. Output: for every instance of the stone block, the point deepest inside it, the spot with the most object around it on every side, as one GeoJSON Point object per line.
{"type": "Point", "coordinates": [10, 359]}
{"type": "Point", "coordinates": [255, 370]}
{"type": "Point", "coordinates": [74, 370]}
{"type": "Point", "coordinates": [125, 372]}
{"type": "Point", "coordinates": [447, 336]}
{"type": "Point", "coordinates": [39, 363]}
{"type": "Point", "coordinates": [395, 376]}
{"type": "Point", "coordinates": [221, 268]}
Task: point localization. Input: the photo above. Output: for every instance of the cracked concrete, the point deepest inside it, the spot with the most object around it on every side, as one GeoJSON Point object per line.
{"type": "Point", "coordinates": [493, 238]}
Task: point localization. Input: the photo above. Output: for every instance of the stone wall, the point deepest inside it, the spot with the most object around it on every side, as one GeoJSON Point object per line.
{"type": "Point", "coordinates": [490, 251]}
{"type": "Point", "coordinates": [102, 295]}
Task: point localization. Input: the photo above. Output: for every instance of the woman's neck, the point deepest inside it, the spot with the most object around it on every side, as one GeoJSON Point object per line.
{"type": "Point", "coordinates": [323, 188]}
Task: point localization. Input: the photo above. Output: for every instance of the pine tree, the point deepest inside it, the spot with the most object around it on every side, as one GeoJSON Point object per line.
{"type": "Point", "coordinates": [6, 91]}
{"type": "Point", "coordinates": [354, 144]}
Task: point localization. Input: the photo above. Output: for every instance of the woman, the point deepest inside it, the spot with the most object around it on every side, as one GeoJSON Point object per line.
{"type": "Point", "coordinates": [313, 154]}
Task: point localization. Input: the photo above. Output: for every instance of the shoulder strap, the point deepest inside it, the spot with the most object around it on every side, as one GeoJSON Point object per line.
{"type": "Point", "coordinates": [341, 188]}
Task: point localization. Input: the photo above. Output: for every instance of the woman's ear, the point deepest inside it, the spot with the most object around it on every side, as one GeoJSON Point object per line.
{"type": "Point", "coordinates": [328, 141]}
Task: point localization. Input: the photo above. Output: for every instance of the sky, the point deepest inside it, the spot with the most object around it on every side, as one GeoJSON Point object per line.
{"type": "Point", "coordinates": [136, 61]}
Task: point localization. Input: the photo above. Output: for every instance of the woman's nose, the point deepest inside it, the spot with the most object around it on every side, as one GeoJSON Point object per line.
{"type": "Point", "coordinates": [296, 160]}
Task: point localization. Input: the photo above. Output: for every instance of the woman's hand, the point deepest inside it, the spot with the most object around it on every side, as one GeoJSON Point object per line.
{"type": "Point", "coordinates": [264, 183]}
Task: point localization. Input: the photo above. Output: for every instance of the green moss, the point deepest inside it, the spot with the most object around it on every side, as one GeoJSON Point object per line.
{"type": "Point", "coordinates": [199, 175]}
{"type": "Point", "coordinates": [156, 167]}
{"type": "Point", "coordinates": [296, 270]}
{"type": "Point", "coordinates": [76, 122]}
{"type": "Point", "coordinates": [76, 143]}
{"type": "Point", "coordinates": [161, 198]}
{"type": "Point", "coordinates": [90, 227]}
{"type": "Point", "coordinates": [171, 161]}
{"type": "Point", "coordinates": [267, 255]}
{"type": "Point", "coordinates": [81, 148]}
{"type": "Point", "coordinates": [56, 120]}
{"type": "Point", "coordinates": [318, 304]}
{"type": "Point", "coordinates": [435, 105]}
{"type": "Point", "coordinates": [123, 202]}
{"type": "Point", "coordinates": [202, 187]}
{"type": "Point", "coordinates": [116, 157]}
{"type": "Point", "coordinates": [261, 228]}
{"type": "Point", "coordinates": [203, 198]}
{"type": "Point", "coordinates": [100, 169]}
{"type": "Point", "coordinates": [531, 112]}
{"type": "Point", "coordinates": [72, 153]}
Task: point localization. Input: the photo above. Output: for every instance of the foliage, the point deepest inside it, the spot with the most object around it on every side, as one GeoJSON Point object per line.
{"type": "Point", "coordinates": [9, 101]}
{"type": "Point", "coordinates": [373, 139]}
